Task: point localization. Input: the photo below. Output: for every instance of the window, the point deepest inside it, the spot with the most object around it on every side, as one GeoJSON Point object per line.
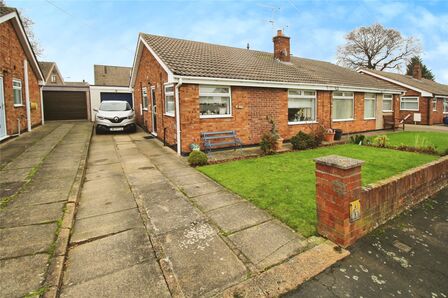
{"type": "Point", "coordinates": [409, 103]}
{"type": "Point", "coordinates": [301, 106]}
{"type": "Point", "coordinates": [369, 105]}
{"type": "Point", "coordinates": [145, 98]}
{"type": "Point", "coordinates": [53, 78]}
{"type": "Point", "coordinates": [169, 100]}
{"type": "Point", "coordinates": [434, 104]}
{"type": "Point", "coordinates": [445, 105]}
{"type": "Point", "coordinates": [17, 92]}
{"type": "Point", "coordinates": [343, 106]}
{"type": "Point", "coordinates": [388, 103]}
{"type": "Point", "coordinates": [214, 101]}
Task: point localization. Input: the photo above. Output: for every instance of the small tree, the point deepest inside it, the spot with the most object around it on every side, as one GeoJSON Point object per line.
{"type": "Point", "coordinates": [426, 72]}
{"type": "Point", "coordinates": [376, 47]}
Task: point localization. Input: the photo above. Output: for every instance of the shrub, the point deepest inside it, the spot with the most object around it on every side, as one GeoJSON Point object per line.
{"type": "Point", "coordinates": [318, 135]}
{"type": "Point", "coordinates": [358, 139]}
{"type": "Point", "coordinates": [267, 143]}
{"type": "Point", "coordinates": [197, 158]}
{"type": "Point", "coordinates": [381, 141]}
{"type": "Point", "coordinates": [303, 141]}
{"type": "Point", "coordinates": [445, 152]}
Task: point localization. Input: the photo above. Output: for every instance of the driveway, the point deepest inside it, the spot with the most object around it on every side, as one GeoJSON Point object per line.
{"type": "Point", "coordinates": [407, 257]}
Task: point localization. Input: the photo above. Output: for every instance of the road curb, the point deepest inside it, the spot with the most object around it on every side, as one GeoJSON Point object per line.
{"type": "Point", "coordinates": [55, 271]}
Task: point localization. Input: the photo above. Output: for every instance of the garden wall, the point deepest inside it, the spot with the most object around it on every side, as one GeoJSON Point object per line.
{"type": "Point", "coordinates": [347, 211]}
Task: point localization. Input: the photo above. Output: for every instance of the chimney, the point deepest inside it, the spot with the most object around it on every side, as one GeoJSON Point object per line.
{"type": "Point", "coordinates": [417, 71]}
{"type": "Point", "coordinates": [281, 47]}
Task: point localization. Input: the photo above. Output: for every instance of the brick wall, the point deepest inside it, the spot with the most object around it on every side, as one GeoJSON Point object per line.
{"type": "Point", "coordinates": [338, 184]}
{"type": "Point", "coordinates": [12, 57]}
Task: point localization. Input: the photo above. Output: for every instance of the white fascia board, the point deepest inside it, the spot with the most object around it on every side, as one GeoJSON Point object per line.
{"type": "Point", "coordinates": [7, 17]}
{"type": "Point", "coordinates": [111, 88]}
{"type": "Point", "coordinates": [137, 57]}
{"type": "Point", "coordinates": [422, 92]}
{"type": "Point", "coordinates": [281, 85]}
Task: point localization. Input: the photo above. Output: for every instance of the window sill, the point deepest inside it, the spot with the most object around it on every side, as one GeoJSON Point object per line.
{"type": "Point", "coordinates": [343, 120]}
{"type": "Point", "coordinates": [19, 106]}
{"type": "Point", "coordinates": [170, 115]}
{"type": "Point", "coordinates": [410, 110]}
{"type": "Point", "coordinates": [145, 109]}
{"type": "Point", "coordinates": [387, 111]}
{"type": "Point", "coordinates": [214, 116]}
{"type": "Point", "coordinates": [302, 122]}
{"type": "Point", "coordinates": [370, 118]}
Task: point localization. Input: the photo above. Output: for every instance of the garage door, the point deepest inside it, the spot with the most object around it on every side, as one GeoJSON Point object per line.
{"type": "Point", "coordinates": [65, 105]}
{"type": "Point", "coordinates": [116, 96]}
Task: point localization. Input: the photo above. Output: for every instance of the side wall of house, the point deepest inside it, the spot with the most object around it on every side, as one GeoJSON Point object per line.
{"type": "Point", "coordinates": [12, 57]}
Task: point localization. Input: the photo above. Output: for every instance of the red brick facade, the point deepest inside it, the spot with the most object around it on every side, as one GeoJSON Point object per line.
{"type": "Point", "coordinates": [12, 57]}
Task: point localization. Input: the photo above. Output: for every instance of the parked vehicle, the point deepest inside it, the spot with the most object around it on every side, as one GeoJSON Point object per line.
{"type": "Point", "coordinates": [115, 115]}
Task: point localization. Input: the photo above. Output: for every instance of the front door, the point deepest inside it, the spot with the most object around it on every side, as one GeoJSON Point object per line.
{"type": "Point", "coordinates": [2, 111]}
{"type": "Point", "coordinates": [154, 111]}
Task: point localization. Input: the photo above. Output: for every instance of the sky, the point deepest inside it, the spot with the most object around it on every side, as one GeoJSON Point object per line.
{"type": "Point", "coordinates": [78, 34]}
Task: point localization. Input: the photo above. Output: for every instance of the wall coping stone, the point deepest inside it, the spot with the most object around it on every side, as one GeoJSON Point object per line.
{"type": "Point", "coordinates": [339, 162]}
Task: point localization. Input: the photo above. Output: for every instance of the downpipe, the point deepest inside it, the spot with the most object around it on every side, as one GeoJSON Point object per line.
{"type": "Point", "coordinates": [178, 132]}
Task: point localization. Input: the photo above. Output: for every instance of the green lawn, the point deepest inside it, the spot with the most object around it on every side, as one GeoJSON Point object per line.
{"type": "Point", "coordinates": [284, 184]}
{"type": "Point", "coordinates": [420, 139]}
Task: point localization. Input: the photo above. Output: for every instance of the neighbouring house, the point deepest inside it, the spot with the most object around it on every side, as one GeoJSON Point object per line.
{"type": "Point", "coordinates": [182, 88]}
{"type": "Point", "coordinates": [63, 100]}
{"type": "Point", "coordinates": [425, 100]}
{"type": "Point", "coordinates": [20, 77]}
{"type": "Point", "coordinates": [111, 83]}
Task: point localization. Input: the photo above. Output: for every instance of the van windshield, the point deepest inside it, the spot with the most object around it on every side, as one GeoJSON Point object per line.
{"type": "Point", "coordinates": [115, 106]}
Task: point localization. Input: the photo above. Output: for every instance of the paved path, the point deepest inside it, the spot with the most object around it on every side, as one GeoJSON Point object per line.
{"type": "Point", "coordinates": [407, 257]}
{"type": "Point", "coordinates": [150, 225]}
{"type": "Point", "coordinates": [38, 170]}
{"type": "Point", "coordinates": [435, 128]}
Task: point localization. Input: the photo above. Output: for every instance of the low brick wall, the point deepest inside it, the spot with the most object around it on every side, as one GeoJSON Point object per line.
{"type": "Point", "coordinates": [347, 211]}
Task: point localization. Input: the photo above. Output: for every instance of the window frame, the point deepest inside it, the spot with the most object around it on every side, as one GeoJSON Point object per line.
{"type": "Point", "coordinates": [445, 105]}
{"type": "Point", "coordinates": [170, 93]}
{"type": "Point", "coordinates": [53, 78]}
{"type": "Point", "coordinates": [303, 96]}
{"type": "Point", "coordinates": [407, 98]}
{"type": "Point", "coordinates": [145, 94]}
{"type": "Point", "coordinates": [391, 103]}
{"type": "Point", "coordinates": [434, 104]}
{"type": "Point", "coordinates": [229, 94]}
{"type": "Point", "coordinates": [374, 105]}
{"type": "Point", "coordinates": [339, 97]}
{"type": "Point", "coordinates": [13, 93]}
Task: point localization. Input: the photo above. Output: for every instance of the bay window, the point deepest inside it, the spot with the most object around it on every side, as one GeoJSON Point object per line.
{"type": "Point", "coordinates": [409, 103]}
{"type": "Point", "coordinates": [145, 98]}
{"type": "Point", "coordinates": [388, 103]}
{"type": "Point", "coordinates": [17, 92]}
{"type": "Point", "coordinates": [301, 106]}
{"type": "Point", "coordinates": [343, 106]}
{"type": "Point", "coordinates": [169, 100]}
{"type": "Point", "coordinates": [214, 101]}
{"type": "Point", "coordinates": [369, 105]}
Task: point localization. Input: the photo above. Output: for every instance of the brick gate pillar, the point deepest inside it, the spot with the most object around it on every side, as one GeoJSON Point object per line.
{"type": "Point", "coordinates": [338, 187]}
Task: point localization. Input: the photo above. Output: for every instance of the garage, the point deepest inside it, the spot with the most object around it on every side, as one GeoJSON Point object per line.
{"type": "Point", "coordinates": [65, 105]}
{"type": "Point", "coordinates": [117, 96]}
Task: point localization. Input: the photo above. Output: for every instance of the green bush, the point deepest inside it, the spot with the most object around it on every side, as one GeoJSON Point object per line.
{"type": "Point", "coordinates": [358, 139]}
{"type": "Point", "coordinates": [381, 141]}
{"type": "Point", "coordinates": [445, 152]}
{"type": "Point", "coordinates": [197, 158]}
{"type": "Point", "coordinates": [267, 143]}
{"type": "Point", "coordinates": [303, 141]}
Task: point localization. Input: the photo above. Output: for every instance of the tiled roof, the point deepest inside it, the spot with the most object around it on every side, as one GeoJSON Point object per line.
{"type": "Point", "coordinates": [45, 67]}
{"type": "Point", "coordinates": [108, 75]}
{"type": "Point", "coordinates": [423, 84]}
{"type": "Point", "coordinates": [4, 10]}
{"type": "Point", "coordinates": [199, 59]}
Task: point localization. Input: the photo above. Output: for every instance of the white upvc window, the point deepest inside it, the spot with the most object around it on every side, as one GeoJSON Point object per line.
{"type": "Point", "coordinates": [145, 98]}
{"type": "Point", "coordinates": [409, 103]}
{"type": "Point", "coordinates": [301, 106]}
{"type": "Point", "coordinates": [445, 105]}
{"type": "Point", "coordinates": [388, 105]}
{"type": "Point", "coordinates": [169, 100]}
{"type": "Point", "coordinates": [53, 78]}
{"type": "Point", "coordinates": [369, 105]}
{"type": "Point", "coordinates": [215, 101]}
{"type": "Point", "coordinates": [17, 92]}
{"type": "Point", "coordinates": [343, 106]}
{"type": "Point", "coordinates": [434, 104]}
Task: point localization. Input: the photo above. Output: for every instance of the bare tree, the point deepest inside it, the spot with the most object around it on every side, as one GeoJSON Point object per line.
{"type": "Point", "coordinates": [376, 47]}
{"type": "Point", "coordinates": [28, 26]}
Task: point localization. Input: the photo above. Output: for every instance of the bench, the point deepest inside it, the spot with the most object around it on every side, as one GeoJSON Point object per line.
{"type": "Point", "coordinates": [388, 121]}
{"type": "Point", "coordinates": [219, 139]}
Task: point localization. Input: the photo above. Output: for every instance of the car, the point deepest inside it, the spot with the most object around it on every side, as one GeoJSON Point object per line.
{"type": "Point", "coordinates": [115, 115]}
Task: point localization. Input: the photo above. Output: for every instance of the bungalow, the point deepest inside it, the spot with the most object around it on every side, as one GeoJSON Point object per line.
{"type": "Point", "coordinates": [20, 77]}
{"type": "Point", "coordinates": [182, 88]}
{"type": "Point", "coordinates": [425, 100]}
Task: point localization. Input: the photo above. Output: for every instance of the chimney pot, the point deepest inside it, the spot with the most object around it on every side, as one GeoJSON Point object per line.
{"type": "Point", "coordinates": [417, 71]}
{"type": "Point", "coordinates": [282, 47]}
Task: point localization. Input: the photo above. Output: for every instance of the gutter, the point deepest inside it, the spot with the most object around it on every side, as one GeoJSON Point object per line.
{"type": "Point", "coordinates": [178, 132]}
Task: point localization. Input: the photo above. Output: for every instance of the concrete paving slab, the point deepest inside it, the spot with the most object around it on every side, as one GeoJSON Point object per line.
{"type": "Point", "coordinates": [20, 276]}
{"type": "Point", "coordinates": [13, 217]}
{"type": "Point", "coordinates": [142, 280]}
{"type": "Point", "coordinates": [103, 225]}
{"type": "Point", "coordinates": [216, 200]}
{"type": "Point", "coordinates": [104, 171]}
{"type": "Point", "coordinates": [26, 161]}
{"type": "Point", "coordinates": [44, 196]}
{"type": "Point", "coordinates": [111, 254]}
{"type": "Point", "coordinates": [188, 179]}
{"type": "Point", "coordinates": [41, 183]}
{"type": "Point", "coordinates": [156, 192]}
{"type": "Point", "coordinates": [102, 159]}
{"type": "Point", "coordinates": [15, 175]}
{"type": "Point", "coordinates": [238, 216]}
{"type": "Point", "coordinates": [268, 244]}
{"type": "Point", "coordinates": [171, 214]}
{"type": "Point", "coordinates": [105, 203]}
{"type": "Point", "coordinates": [198, 189]}
{"type": "Point", "coordinates": [9, 188]}
{"type": "Point", "coordinates": [107, 185]}
{"type": "Point", "coordinates": [26, 240]}
{"type": "Point", "coordinates": [201, 260]}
